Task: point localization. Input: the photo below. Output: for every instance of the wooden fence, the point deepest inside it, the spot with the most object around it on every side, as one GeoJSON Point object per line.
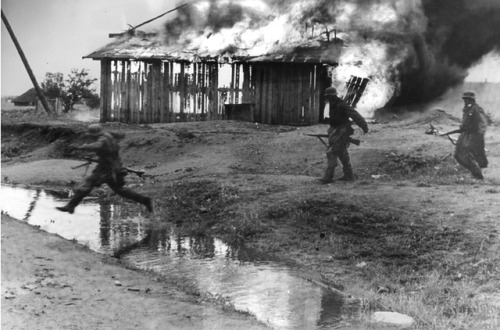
{"type": "Point", "coordinates": [159, 91]}
{"type": "Point", "coordinates": [55, 105]}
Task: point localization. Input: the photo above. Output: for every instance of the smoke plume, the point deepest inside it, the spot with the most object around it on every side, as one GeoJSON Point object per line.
{"type": "Point", "coordinates": [412, 51]}
{"type": "Point", "coordinates": [458, 34]}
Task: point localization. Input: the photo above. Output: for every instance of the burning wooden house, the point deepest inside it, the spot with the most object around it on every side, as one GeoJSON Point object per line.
{"type": "Point", "coordinates": [143, 80]}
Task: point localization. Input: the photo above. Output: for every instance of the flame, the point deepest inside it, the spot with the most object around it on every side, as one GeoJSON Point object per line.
{"type": "Point", "coordinates": [369, 56]}
{"type": "Point", "coordinates": [264, 26]}
{"type": "Point", "coordinates": [368, 61]}
{"type": "Point", "coordinates": [398, 44]}
{"type": "Point", "coordinates": [258, 32]}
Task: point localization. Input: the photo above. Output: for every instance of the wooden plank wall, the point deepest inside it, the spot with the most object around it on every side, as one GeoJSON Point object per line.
{"type": "Point", "coordinates": [160, 92]}
{"type": "Point", "coordinates": [285, 93]}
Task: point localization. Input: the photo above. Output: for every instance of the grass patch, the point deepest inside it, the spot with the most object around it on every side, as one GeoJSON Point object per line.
{"type": "Point", "coordinates": [427, 170]}
{"type": "Point", "coordinates": [21, 139]}
{"type": "Point", "coordinates": [433, 300]}
{"type": "Point", "coordinates": [241, 225]}
{"type": "Point", "coordinates": [198, 203]}
{"type": "Point", "coordinates": [347, 231]}
{"type": "Point", "coordinates": [200, 208]}
{"type": "Point", "coordinates": [434, 274]}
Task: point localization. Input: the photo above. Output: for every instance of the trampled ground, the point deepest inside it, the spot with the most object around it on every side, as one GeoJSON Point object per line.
{"type": "Point", "coordinates": [414, 233]}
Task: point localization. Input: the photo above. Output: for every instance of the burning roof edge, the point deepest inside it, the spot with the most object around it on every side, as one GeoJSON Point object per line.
{"type": "Point", "coordinates": [146, 48]}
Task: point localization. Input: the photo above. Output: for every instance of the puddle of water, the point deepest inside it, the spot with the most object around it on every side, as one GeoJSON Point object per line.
{"type": "Point", "coordinates": [102, 227]}
{"type": "Point", "coordinates": [276, 294]}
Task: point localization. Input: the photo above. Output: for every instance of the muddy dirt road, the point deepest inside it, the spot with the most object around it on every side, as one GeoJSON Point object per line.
{"type": "Point", "coordinates": [411, 219]}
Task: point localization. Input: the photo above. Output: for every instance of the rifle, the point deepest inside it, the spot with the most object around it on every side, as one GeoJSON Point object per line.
{"type": "Point", "coordinates": [459, 130]}
{"type": "Point", "coordinates": [90, 160]}
{"type": "Point", "coordinates": [453, 141]}
{"type": "Point", "coordinates": [320, 136]}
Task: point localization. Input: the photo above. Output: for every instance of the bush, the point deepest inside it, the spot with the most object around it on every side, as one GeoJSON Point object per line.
{"type": "Point", "coordinates": [93, 101]}
{"type": "Point", "coordinates": [77, 87]}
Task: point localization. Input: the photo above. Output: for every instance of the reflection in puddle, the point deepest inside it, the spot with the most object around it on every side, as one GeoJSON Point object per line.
{"type": "Point", "coordinates": [274, 293]}
{"type": "Point", "coordinates": [102, 227]}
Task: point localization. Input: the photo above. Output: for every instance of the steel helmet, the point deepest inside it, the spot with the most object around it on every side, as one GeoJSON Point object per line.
{"type": "Point", "coordinates": [94, 129]}
{"type": "Point", "coordinates": [470, 95]}
{"type": "Point", "coordinates": [331, 91]}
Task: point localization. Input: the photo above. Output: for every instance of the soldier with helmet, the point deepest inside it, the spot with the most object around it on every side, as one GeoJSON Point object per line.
{"type": "Point", "coordinates": [339, 135]}
{"type": "Point", "coordinates": [109, 170]}
{"type": "Point", "coordinates": [469, 148]}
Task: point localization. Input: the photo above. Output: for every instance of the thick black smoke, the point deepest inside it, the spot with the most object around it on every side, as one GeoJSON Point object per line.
{"type": "Point", "coordinates": [458, 34]}
{"type": "Point", "coordinates": [442, 39]}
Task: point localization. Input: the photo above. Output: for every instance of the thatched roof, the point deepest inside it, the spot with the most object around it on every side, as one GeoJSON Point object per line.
{"type": "Point", "coordinates": [28, 97]}
{"type": "Point", "coordinates": [148, 47]}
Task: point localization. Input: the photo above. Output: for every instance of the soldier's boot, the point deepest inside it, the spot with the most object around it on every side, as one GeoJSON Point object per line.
{"type": "Point", "coordinates": [73, 203]}
{"type": "Point", "coordinates": [466, 159]}
{"type": "Point", "coordinates": [476, 172]}
{"type": "Point", "coordinates": [482, 161]}
{"type": "Point", "coordinates": [348, 174]}
{"type": "Point", "coordinates": [328, 176]}
{"type": "Point", "coordinates": [136, 197]}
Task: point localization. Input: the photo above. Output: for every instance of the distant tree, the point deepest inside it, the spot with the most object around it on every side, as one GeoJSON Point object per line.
{"type": "Point", "coordinates": [79, 87]}
{"type": "Point", "coordinates": [53, 85]}
{"type": "Point", "coordinates": [76, 88]}
{"type": "Point", "coordinates": [93, 101]}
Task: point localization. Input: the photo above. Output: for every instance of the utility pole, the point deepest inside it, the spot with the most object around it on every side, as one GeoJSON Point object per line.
{"type": "Point", "coordinates": [39, 91]}
{"type": "Point", "coordinates": [132, 29]}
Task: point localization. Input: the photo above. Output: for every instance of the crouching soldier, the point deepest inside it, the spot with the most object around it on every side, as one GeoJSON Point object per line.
{"type": "Point", "coordinates": [109, 170]}
{"type": "Point", "coordinates": [339, 135]}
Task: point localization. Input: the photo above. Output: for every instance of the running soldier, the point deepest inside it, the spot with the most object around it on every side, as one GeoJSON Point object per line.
{"type": "Point", "coordinates": [339, 135]}
{"type": "Point", "coordinates": [470, 149]}
{"type": "Point", "coordinates": [109, 170]}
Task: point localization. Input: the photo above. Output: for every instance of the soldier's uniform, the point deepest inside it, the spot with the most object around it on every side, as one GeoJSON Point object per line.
{"type": "Point", "coordinates": [109, 170]}
{"type": "Point", "coordinates": [339, 135]}
{"type": "Point", "coordinates": [470, 148]}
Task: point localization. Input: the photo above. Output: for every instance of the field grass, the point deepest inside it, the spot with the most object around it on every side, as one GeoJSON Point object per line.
{"type": "Point", "coordinates": [424, 170]}
{"type": "Point", "coordinates": [433, 300]}
{"type": "Point", "coordinates": [411, 266]}
{"type": "Point", "coordinates": [14, 114]}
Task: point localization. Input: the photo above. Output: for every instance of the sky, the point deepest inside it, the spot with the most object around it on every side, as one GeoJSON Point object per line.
{"type": "Point", "coordinates": [56, 34]}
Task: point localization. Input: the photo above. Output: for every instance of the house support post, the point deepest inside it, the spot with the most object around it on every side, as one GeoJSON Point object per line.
{"type": "Point", "coordinates": [105, 89]}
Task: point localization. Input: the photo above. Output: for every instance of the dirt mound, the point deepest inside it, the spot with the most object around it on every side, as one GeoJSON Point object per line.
{"type": "Point", "coordinates": [18, 140]}
{"type": "Point", "coordinates": [436, 116]}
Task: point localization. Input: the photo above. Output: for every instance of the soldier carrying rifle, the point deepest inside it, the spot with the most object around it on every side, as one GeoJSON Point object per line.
{"type": "Point", "coordinates": [109, 170]}
{"type": "Point", "coordinates": [339, 135]}
{"type": "Point", "coordinates": [469, 148]}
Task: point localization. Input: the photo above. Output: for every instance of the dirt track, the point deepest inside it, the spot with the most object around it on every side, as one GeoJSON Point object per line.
{"type": "Point", "coordinates": [411, 206]}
